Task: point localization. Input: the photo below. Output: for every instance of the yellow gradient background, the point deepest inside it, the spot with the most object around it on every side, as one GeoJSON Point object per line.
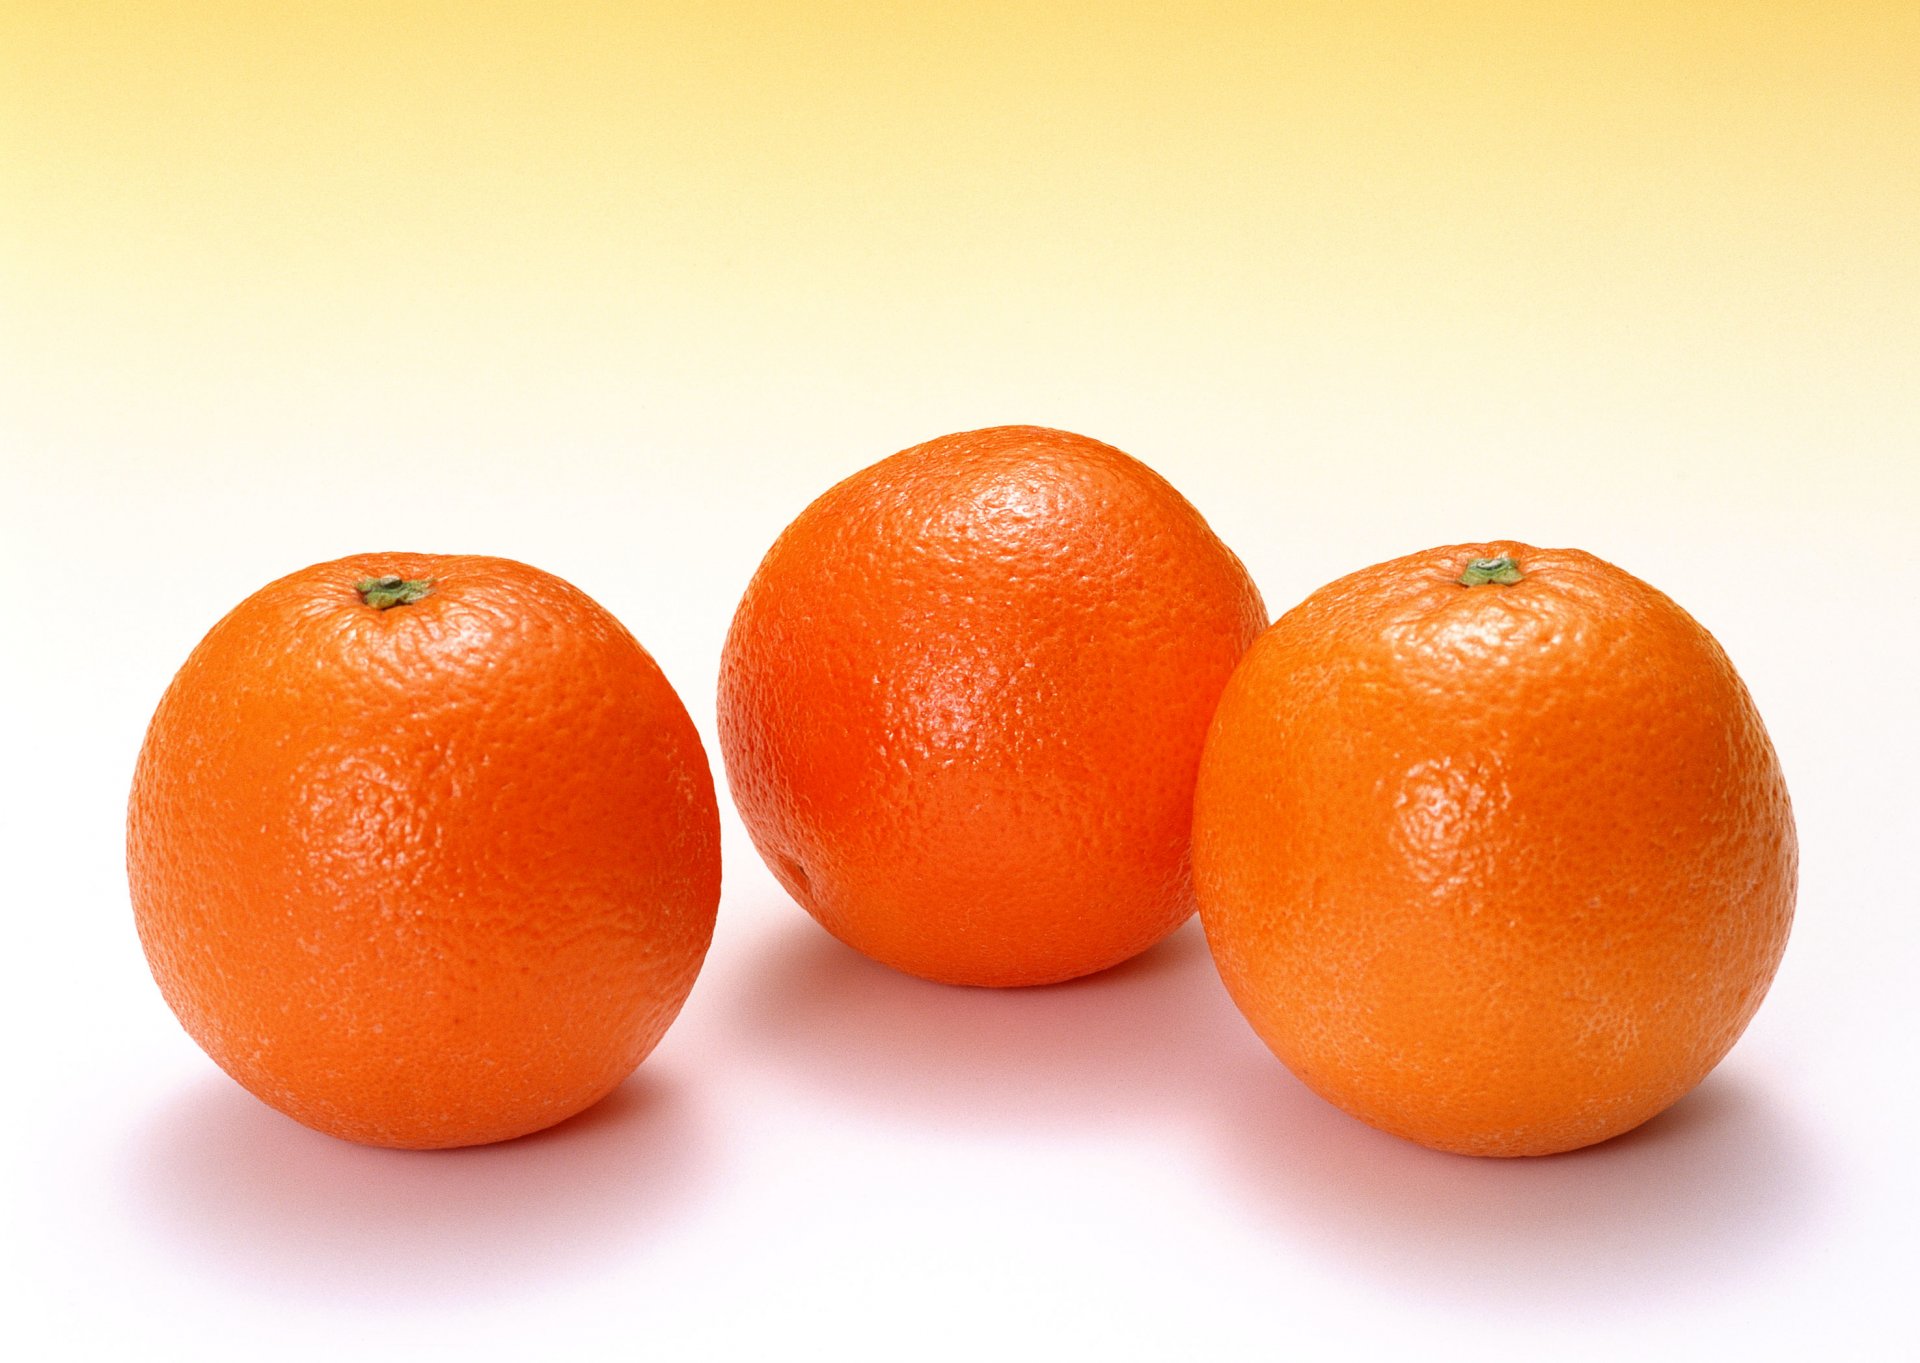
{"type": "Point", "coordinates": [1416, 236]}
{"type": "Point", "coordinates": [617, 288]}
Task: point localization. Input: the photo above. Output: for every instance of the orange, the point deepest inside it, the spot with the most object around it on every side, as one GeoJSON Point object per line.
{"type": "Point", "coordinates": [962, 703]}
{"type": "Point", "coordinates": [1492, 849]}
{"type": "Point", "coordinates": [423, 849]}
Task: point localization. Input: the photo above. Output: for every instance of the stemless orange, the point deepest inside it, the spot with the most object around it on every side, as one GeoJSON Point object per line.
{"type": "Point", "coordinates": [962, 703]}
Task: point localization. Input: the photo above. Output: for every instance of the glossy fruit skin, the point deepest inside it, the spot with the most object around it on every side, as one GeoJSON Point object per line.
{"type": "Point", "coordinates": [962, 702]}
{"type": "Point", "coordinates": [435, 875]}
{"type": "Point", "coordinates": [1504, 870]}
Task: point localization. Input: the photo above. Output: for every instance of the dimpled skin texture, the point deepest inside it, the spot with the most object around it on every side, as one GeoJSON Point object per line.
{"type": "Point", "coordinates": [963, 698]}
{"type": "Point", "coordinates": [430, 876]}
{"type": "Point", "coordinates": [1504, 870]}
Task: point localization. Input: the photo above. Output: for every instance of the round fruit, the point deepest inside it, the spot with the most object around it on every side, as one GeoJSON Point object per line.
{"type": "Point", "coordinates": [1492, 849]}
{"type": "Point", "coordinates": [962, 703]}
{"type": "Point", "coordinates": [423, 849]}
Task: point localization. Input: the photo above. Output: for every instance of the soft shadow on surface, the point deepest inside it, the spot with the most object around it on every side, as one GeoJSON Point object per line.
{"type": "Point", "coordinates": [1154, 1047]}
{"type": "Point", "coordinates": [1703, 1192]}
{"type": "Point", "coordinates": [1145, 1039]}
{"type": "Point", "coordinates": [255, 1195]}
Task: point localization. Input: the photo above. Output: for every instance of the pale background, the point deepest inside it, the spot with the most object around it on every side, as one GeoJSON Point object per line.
{"type": "Point", "coordinates": [617, 289]}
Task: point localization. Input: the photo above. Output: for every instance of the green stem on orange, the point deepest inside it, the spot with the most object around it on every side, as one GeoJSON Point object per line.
{"type": "Point", "coordinates": [1503, 571]}
{"type": "Point", "coordinates": [383, 593]}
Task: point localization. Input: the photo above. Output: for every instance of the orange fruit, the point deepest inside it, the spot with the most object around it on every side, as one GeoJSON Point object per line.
{"type": "Point", "coordinates": [963, 698]}
{"type": "Point", "coordinates": [423, 849]}
{"type": "Point", "coordinates": [1492, 849]}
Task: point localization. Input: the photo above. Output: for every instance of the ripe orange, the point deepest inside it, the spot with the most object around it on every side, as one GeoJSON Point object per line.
{"type": "Point", "coordinates": [423, 849]}
{"type": "Point", "coordinates": [962, 703]}
{"type": "Point", "coordinates": [1497, 858]}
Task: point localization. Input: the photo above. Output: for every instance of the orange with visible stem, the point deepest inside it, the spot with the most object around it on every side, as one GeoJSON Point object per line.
{"type": "Point", "coordinates": [1492, 848]}
{"type": "Point", "coordinates": [423, 849]}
